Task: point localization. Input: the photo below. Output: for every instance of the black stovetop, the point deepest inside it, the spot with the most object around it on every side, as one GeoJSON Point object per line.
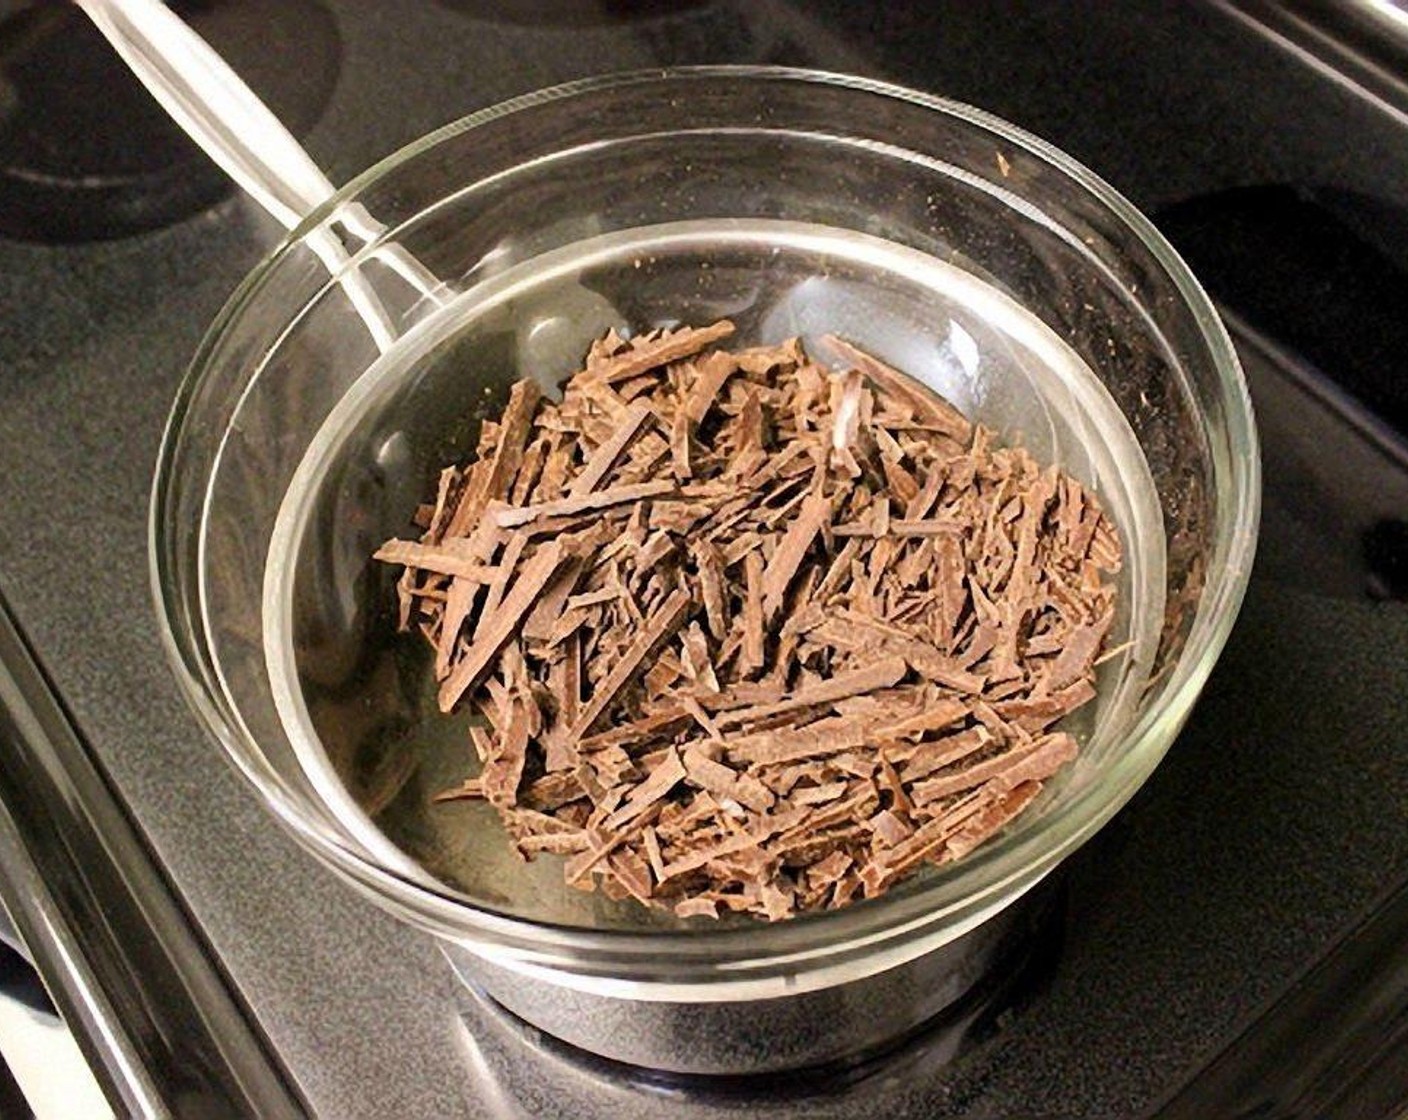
{"type": "Point", "coordinates": [1227, 946]}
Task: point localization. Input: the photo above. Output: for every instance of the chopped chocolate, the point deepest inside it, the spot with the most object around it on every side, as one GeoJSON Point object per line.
{"type": "Point", "coordinates": [740, 634]}
{"type": "Point", "coordinates": [661, 780]}
{"type": "Point", "coordinates": [697, 908]}
{"type": "Point", "coordinates": [493, 477]}
{"type": "Point", "coordinates": [507, 517]}
{"type": "Point", "coordinates": [814, 515]}
{"type": "Point", "coordinates": [606, 454]}
{"type": "Point", "coordinates": [752, 621]}
{"type": "Point", "coordinates": [529, 582]}
{"type": "Point", "coordinates": [445, 560]}
{"type": "Point", "coordinates": [876, 676]}
{"type": "Point", "coordinates": [650, 354]}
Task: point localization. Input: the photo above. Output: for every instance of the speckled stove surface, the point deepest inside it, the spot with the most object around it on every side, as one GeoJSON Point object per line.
{"type": "Point", "coordinates": [1276, 820]}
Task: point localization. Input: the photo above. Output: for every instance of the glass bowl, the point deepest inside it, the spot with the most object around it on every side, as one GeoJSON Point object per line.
{"type": "Point", "coordinates": [947, 242]}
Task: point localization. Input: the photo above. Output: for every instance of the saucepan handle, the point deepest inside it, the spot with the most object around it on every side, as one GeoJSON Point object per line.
{"type": "Point", "coordinates": [214, 107]}
{"type": "Point", "coordinates": [237, 130]}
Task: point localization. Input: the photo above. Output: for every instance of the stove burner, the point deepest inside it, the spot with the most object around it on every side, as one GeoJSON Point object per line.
{"type": "Point", "coordinates": [570, 13]}
{"type": "Point", "coordinates": [1386, 557]}
{"type": "Point", "coordinates": [86, 154]}
{"type": "Point", "coordinates": [1018, 976]}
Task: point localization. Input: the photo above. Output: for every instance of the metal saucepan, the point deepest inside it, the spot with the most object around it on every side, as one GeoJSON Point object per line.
{"type": "Point", "coordinates": [362, 354]}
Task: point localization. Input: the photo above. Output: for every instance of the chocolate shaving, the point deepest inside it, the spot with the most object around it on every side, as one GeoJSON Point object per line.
{"type": "Point", "coordinates": [710, 374]}
{"type": "Point", "coordinates": [536, 572]}
{"type": "Point", "coordinates": [661, 780]}
{"type": "Point", "coordinates": [669, 616]}
{"type": "Point", "coordinates": [493, 477]}
{"type": "Point", "coordinates": [506, 517]}
{"type": "Point", "coordinates": [653, 354]}
{"type": "Point", "coordinates": [746, 636]}
{"type": "Point", "coordinates": [814, 515]}
{"type": "Point", "coordinates": [697, 908]}
{"type": "Point", "coordinates": [753, 652]}
{"type": "Point", "coordinates": [880, 675]}
{"type": "Point", "coordinates": [444, 560]}
{"type": "Point", "coordinates": [606, 454]}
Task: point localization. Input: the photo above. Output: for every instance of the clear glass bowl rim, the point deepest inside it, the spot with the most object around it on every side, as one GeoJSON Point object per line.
{"type": "Point", "coordinates": [964, 890]}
